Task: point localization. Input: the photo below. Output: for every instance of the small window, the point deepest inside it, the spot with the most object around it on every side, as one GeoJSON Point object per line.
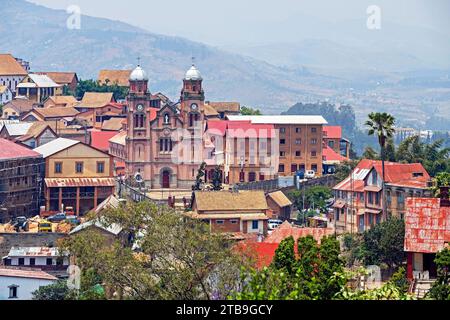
{"type": "Point", "coordinates": [13, 292]}
{"type": "Point", "coordinates": [234, 221]}
{"type": "Point", "coordinates": [313, 130]}
{"type": "Point", "coordinates": [100, 167]}
{"type": "Point", "coordinates": [313, 153]}
{"type": "Point", "coordinates": [282, 130]}
{"type": "Point", "coordinates": [298, 153]}
{"type": "Point", "coordinates": [21, 261]}
{"type": "Point", "coordinates": [79, 167]}
{"type": "Point", "coordinates": [58, 167]}
{"type": "Point", "coordinates": [255, 224]}
{"type": "Point", "coordinates": [282, 154]}
{"type": "Point", "coordinates": [281, 168]}
{"type": "Point", "coordinates": [313, 141]}
{"type": "Point", "coordinates": [282, 141]}
{"type": "Point", "coordinates": [49, 261]}
{"type": "Point", "coordinates": [298, 141]}
{"type": "Point", "coordinates": [293, 168]}
{"type": "Point", "coordinates": [298, 130]}
{"type": "Point", "coordinates": [32, 261]}
{"type": "Point", "coordinates": [220, 221]}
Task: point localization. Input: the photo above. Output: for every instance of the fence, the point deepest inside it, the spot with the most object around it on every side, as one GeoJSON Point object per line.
{"type": "Point", "coordinates": [286, 183]}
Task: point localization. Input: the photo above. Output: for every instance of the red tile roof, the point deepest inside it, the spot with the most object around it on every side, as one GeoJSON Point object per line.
{"type": "Point", "coordinates": [329, 154]}
{"type": "Point", "coordinates": [427, 225]}
{"type": "Point", "coordinates": [11, 150]}
{"type": "Point", "coordinates": [286, 230]}
{"type": "Point", "coordinates": [241, 129]}
{"type": "Point", "coordinates": [19, 273]}
{"type": "Point", "coordinates": [261, 253]}
{"type": "Point", "coordinates": [100, 139]}
{"type": "Point", "coordinates": [332, 132]}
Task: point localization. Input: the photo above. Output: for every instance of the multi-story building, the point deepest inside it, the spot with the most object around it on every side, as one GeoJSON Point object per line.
{"type": "Point", "coordinates": [38, 88]}
{"type": "Point", "coordinates": [43, 258]}
{"type": "Point", "coordinates": [30, 134]}
{"type": "Point", "coordinates": [21, 172]}
{"type": "Point", "coordinates": [300, 141]}
{"type": "Point", "coordinates": [11, 72]}
{"type": "Point", "coordinates": [359, 198]}
{"type": "Point", "coordinates": [76, 175]}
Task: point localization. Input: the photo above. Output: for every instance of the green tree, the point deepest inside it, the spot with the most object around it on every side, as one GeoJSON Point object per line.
{"type": "Point", "coordinates": [285, 256]}
{"type": "Point", "coordinates": [382, 126]}
{"type": "Point", "coordinates": [56, 291]}
{"type": "Point", "coordinates": [248, 111]}
{"type": "Point", "coordinates": [441, 288]}
{"type": "Point", "coordinates": [400, 280]}
{"type": "Point", "coordinates": [441, 180]}
{"type": "Point", "coordinates": [95, 86]}
{"type": "Point", "coordinates": [390, 151]}
{"type": "Point", "coordinates": [344, 169]}
{"type": "Point", "coordinates": [217, 179]}
{"type": "Point", "coordinates": [370, 153]}
{"type": "Point", "coordinates": [384, 242]}
{"type": "Point", "coordinates": [315, 196]}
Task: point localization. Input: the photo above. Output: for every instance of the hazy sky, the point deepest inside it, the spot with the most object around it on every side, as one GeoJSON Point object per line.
{"type": "Point", "coordinates": [233, 22]}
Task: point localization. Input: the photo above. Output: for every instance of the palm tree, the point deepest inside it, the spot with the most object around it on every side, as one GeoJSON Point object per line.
{"type": "Point", "coordinates": [381, 125]}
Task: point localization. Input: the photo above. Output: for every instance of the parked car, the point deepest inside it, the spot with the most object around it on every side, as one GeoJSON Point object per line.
{"type": "Point", "coordinates": [273, 224]}
{"type": "Point", "coordinates": [310, 174]}
{"type": "Point", "coordinates": [45, 226]}
{"type": "Point", "coordinates": [57, 217]}
{"type": "Point", "coordinates": [73, 220]}
{"type": "Point", "coordinates": [20, 223]}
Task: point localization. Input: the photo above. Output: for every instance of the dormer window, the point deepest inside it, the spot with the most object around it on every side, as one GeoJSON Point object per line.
{"type": "Point", "coordinates": [417, 174]}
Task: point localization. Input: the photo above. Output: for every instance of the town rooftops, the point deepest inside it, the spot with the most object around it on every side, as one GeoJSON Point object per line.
{"type": "Point", "coordinates": [283, 119]}
{"type": "Point", "coordinates": [64, 100]}
{"type": "Point", "coordinates": [57, 112]}
{"type": "Point", "coordinates": [119, 138]}
{"type": "Point", "coordinates": [11, 150]}
{"type": "Point", "coordinates": [35, 130]}
{"type": "Point", "coordinates": [55, 146]}
{"type": "Point", "coordinates": [241, 129]}
{"type": "Point", "coordinates": [332, 132]}
{"type": "Point", "coordinates": [331, 156]}
{"type": "Point", "coordinates": [21, 105]}
{"type": "Point", "coordinates": [427, 225]}
{"type": "Point", "coordinates": [280, 199]}
{"type": "Point", "coordinates": [31, 274]}
{"type": "Point", "coordinates": [286, 230]}
{"type": "Point", "coordinates": [10, 67]}
{"type": "Point", "coordinates": [113, 228]}
{"type": "Point", "coordinates": [113, 124]}
{"type": "Point", "coordinates": [119, 77]}
{"type": "Point", "coordinates": [38, 81]}
{"type": "Point", "coordinates": [225, 106]}
{"type": "Point", "coordinates": [60, 77]}
{"type": "Point", "coordinates": [100, 139]}
{"type": "Point", "coordinates": [17, 129]}
{"type": "Point", "coordinates": [96, 99]}
{"type": "Point", "coordinates": [230, 201]}
{"type": "Point", "coordinates": [3, 89]}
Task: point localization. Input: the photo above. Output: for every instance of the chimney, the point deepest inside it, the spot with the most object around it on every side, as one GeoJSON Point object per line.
{"type": "Point", "coordinates": [443, 194]}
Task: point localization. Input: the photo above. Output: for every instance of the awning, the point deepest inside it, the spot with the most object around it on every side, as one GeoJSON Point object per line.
{"type": "Point", "coordinates": [373, 211]}
{"type": "Point", "coordinates": [373, 188]}
{"type": "Point", "coordinates": [339, 204]}
{"type": "Point", "coordinates": [79, 182]}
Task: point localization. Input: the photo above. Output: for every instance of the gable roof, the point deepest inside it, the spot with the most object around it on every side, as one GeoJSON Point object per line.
{"type": "Point", "coordinates": [20, 273]}
{"type": "Point", "coordinates": [226, 200]}
{"type": "Point", "coordinates": [225, 106]}
{"type": "Point", "coordinates": [66, 100]}
{"type": "Point", "coordinates": [55, 146]}
{"type": "Point", "coordinates": [11, 150]}
{"type": "Point", "coordinates": [10, 67]}
{"type": "Point", "coordinates": [113, 124]}
{"type": "Point", "coordinates": [329, 155]}
{"type": "Point", "coordinates": [119, 77]}
{"type": "Point", "coordinates": [280, 199]}
{"type": "Point", "coordinates": [36, 130]}
{"type": "Point", "coordinates": [38, 81]}
{"type": "Point", "coordinates": [100, 139]}
{"type": "Point", "coordinates": [119, 138]}
{"type": "Point", "coordinates": [21, 105]}
{"type": "Point", "coordinates": [3, 89]}
{"type": "Point", "coordinates": [96, 99]}
{"type": "Point", "coordinates": [17, 129]}
{"type": "Point", "coordinates": [61, 77]}
{"type": "Point", "coordinates": [114, 228]}
{"type": "Point", "coordinates": [57, 112]}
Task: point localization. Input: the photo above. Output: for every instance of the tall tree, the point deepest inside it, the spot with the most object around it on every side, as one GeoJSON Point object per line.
{"type": "Point", "coordinates": [248, 111]}
{"type": "Point", "coordinates": [370, 153]}
{"type": "Point", "coordinates": [382, 126]}
{"type": "Point", "coordinates": [217, 179]}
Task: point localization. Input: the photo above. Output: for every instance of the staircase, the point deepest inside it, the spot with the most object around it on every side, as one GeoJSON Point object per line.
{"type": "Point", "coordinates": [420, 287]}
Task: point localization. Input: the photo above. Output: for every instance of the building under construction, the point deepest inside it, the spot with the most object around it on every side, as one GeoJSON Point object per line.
{"type": "Point", "coordinates": [21, 175]}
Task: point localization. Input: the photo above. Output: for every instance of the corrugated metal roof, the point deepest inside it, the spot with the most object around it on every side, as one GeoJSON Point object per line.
{"type": "Point", "coordinates": [33, 252]}
{"type": "Point", "coordinates": [286, 119]}
{"type": "Point", "coordinates": [427, 225]}
{"type": "Point", "coordinates": [18, 129]}
{"type": "Point", "coordinates": [79, 182]}
{"type": "Point", "coordinates": [11, 150]}
{"type": "Point", "coordinates": [55, 146]}
{"type": "Point", "coordinates": [113, 228]}
{"type": "Point", "coordinates": [40, 81]}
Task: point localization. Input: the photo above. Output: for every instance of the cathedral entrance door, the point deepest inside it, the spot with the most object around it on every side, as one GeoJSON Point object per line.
{"type": "Point", "coordinates": [166, 179]}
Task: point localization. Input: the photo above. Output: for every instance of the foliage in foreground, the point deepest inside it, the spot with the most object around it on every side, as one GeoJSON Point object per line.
{"type": "Point", "coordinates": [441, 288]}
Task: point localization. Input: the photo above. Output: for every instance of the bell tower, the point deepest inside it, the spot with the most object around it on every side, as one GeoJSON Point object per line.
{"type": "Point", "coordinates": [192, 98]}
{"type": "Point", "coordinates": [138, 142]}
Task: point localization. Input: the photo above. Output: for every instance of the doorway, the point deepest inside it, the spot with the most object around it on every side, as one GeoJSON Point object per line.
{"type": "Point", "coordinates": [166, 179]}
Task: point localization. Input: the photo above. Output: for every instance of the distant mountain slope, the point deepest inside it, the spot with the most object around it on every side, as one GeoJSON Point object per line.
{"type": "Point", "coordinates": [39, 35]}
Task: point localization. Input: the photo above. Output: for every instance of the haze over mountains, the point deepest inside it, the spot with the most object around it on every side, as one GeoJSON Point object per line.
{"type": "Point", "coordinates": [387, 71]}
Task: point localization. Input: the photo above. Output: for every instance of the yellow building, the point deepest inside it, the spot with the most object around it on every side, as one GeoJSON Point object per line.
{"type": "Point", "coordinates": [76, 175]}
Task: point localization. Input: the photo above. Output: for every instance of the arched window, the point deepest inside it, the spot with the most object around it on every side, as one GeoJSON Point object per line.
{"type": "Point", "coordinates": [166, 118]}
{"type": "Point", "coordinates": [193, 117]}
{"type": "Point", "coordinates": [139, 120]}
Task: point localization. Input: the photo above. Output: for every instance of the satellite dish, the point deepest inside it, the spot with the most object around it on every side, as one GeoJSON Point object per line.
{"type": "Point", "coordinates": [138, 177]}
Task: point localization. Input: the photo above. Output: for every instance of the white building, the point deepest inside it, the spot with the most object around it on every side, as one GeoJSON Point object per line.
{"type": "Point", "coordinates": [6, 95]}
{"type": "Point", "coordinates": [16, 284]}
{"type": "Point", "coordinates": [44, 258]}
{"type": "Point", "coordinates": [11, 72]}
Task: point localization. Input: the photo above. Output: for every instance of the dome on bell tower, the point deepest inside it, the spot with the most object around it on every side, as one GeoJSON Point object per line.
{"type": "Point", "coordinates": [138, 74]}
{"type": "Point", "coordinates": [193, 74]}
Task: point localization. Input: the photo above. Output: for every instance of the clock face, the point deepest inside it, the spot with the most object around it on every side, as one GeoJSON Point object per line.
{"type": "Point", "coordinates": [194, 106]}
{"type": "Point", "coordinates": [140, 107]}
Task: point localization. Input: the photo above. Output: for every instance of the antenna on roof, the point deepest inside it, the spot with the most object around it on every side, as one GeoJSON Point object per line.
{"type": "Point", "coordinates": [139, 61]}
{"type": "Point", "coordinates": [193, 60]}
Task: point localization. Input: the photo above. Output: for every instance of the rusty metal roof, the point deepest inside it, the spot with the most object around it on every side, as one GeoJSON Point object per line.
{"type": "Point", "coordinates": [79, 182]}
{"type": "Point", "coordinates": [427, 225]}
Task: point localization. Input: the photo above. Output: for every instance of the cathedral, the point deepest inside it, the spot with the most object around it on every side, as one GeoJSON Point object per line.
{"type": "Point", "coordinates": [164, 139]}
